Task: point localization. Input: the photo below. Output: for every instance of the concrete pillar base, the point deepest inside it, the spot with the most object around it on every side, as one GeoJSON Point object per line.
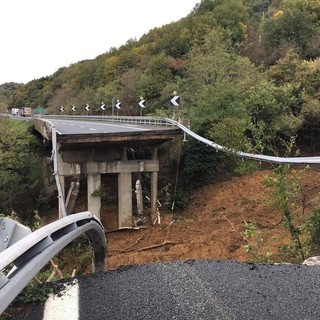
{"type": "Point", "coordinates": [125, 200]}
{"type": "Point", "coordinates": [94, 201]}
{"type": "Point", "coordinates": [154, 188]}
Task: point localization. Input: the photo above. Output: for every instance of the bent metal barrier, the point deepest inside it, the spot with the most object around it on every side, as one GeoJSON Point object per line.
{"type": "Point", "coordinates": [32, 252]}
{"type": "Point", "coordinates": [169, 122]}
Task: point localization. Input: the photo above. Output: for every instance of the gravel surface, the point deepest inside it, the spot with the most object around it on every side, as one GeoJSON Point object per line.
{"type": "Point", "coordinates": [201, 289]}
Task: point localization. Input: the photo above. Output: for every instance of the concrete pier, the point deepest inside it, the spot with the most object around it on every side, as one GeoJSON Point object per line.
{"type": "Point", "coordinates": [94, 197]}
{"type": "Point", "coordinates": [76, 163]}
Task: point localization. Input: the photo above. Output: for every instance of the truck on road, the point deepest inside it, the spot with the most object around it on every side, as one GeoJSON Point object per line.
{"type": "Point", "coordinates": [22, 112]}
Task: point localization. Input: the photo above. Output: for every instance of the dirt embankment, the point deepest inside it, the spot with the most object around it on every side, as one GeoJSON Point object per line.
{"type": "Point", "coordinates": [212, 226]}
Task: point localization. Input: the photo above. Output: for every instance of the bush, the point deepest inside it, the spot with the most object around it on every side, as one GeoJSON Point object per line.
{"type": "Point", "coordinates": [20, 169]}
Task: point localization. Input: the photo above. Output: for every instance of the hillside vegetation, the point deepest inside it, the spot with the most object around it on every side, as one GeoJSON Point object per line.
{"type": "Point", "coordinates": [247, 72]}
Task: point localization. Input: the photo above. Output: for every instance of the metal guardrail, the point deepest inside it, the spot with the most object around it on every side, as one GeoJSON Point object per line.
{"type": "Point", "coordinates": [169, 122]}
{"type": "Point", "coordinates": [120, 119]}
{"type": "Point", "coordinates": [245, 155]}
{"type": "Point", "coordinates": [30, 254]}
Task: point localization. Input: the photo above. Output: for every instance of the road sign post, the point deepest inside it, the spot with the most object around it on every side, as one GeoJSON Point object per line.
{"type": "Point", "coordinates": [175, 101]}
{"type": "Point", "coordinates": [88, 109]}
{"type": "Point", "coordinates": [103, 108]}
{"type": "Point", "coordinates": [112, 106]}
{"type": "Point", "coordinates": [118, 106]}
{"type": "Point", "coordinates": [39, 110]}
{"type": "Point", "coordinates": [142, 105]}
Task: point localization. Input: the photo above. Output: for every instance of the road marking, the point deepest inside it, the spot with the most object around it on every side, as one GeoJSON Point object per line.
{"type": "Point", "coordinates": [93, 129]}
{"type": "Point", "coordinates": [127, 126]}
{"type": "Point", "coordinates": [64, 305]}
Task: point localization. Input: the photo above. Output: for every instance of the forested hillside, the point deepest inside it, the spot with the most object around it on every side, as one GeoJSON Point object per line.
{"type": "Point", "coordinates": [247, 72]}
{"type": "Point", "coordinates": [247, 65]}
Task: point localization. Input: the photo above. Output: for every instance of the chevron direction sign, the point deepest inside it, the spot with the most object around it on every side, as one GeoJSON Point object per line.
{"type": "Point", "coordinates": [175, 101]}
{"type": "Point", "coordinates": [74, 108]}
{"type": "Point", "coordinates": [62, 108]}
{"type": "Point", "coordinates": [87, 107]}
{"type": "Point", "coordinates": [102, 107]}
{"type": "Point", "coordinates": [141, 103]}
{"type": "Point", "coordinates": [118, 104]}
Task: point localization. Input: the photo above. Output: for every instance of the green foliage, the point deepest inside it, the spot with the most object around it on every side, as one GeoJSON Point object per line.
{"type": "Point", "coordinates": [313, 228]}
{"type": "Point", "coordinates": [20, 172]}
{"type": "Point", "coordinates": [304, 231]}
{"type": "Point", "coordinates": [198, 162]}
{"type": "Point", "coordinates": [34, 293]}
{"type": "Point", "coordinates": [246, 167]}
{"type": "Point", "coordinates": [205, 6]}
{"type": "Point", "coordinates": [104, 194]}
{"type": "Point", "coordinates": [258, 6]}
{"type": "Point", "coordinates": [217, 79]}
{"type": "Point", "coordinates": [296, 24]}
{"type": "Point", "coordinates": [286, 197]}
{"type": "Point", "coordinates": [229, 131]}
{"type": "Point", "coordinates": [234, 16]}
{"type": "Point", "coordinates": [255, 243]}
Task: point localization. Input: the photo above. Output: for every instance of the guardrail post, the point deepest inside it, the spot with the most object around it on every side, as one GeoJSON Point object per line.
{"type": "Point", "coordinates": [10, 232]}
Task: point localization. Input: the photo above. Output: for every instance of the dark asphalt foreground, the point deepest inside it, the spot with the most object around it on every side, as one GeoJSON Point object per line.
{"type": "Point", "coordinates": [202, 289]}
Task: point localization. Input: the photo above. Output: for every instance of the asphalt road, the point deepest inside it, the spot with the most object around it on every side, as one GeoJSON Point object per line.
{"type": "Point", "coordinates": [196, 290]}
{"type": "Point", "coordinates": [86, 127]}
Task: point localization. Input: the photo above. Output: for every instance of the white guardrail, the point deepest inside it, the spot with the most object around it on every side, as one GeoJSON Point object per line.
{"type": "Point", "coordinates": [21, 261]}
{"type": "Point", "coordinates": [169, 122]}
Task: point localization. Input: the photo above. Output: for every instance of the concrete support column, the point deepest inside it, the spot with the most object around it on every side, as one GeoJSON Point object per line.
{"type": "Point", "coordinates": [94, 202]}
{"type": "Point", "coordinates": [154, 187]}
{"type": "Point", "coordinates": [72, 195]}
{"type": "Point", "coordinates": [61, 200]}
{"type": "Point", "coordinates": [125, 195]}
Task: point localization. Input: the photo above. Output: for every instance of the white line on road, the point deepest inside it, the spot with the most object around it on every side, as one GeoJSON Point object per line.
{"type": "Point", "coordinates": [63, 305]}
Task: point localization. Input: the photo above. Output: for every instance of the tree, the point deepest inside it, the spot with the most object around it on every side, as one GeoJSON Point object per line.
{"type": "Point", "coordinates": [217, 82]}
{"type": "Point", "coordinates": [234, 16]}
{"type": "Point", "coordinates": [296, 23]}
{"type": "Point", "coordinates": [20, 175]}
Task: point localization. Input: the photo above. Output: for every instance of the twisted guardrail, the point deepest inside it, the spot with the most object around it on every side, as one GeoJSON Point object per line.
{"type": "Point", "coordinates": [169, 122]}
{"type": "Point", "coordinates": [31, 253]}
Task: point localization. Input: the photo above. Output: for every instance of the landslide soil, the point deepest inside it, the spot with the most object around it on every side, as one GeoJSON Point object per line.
{"type": "Point", "coordinates": [212, 225]}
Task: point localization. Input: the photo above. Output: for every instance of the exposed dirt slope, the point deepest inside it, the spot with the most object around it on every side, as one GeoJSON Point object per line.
{"type": "Point", "coordinates": [211, 226]}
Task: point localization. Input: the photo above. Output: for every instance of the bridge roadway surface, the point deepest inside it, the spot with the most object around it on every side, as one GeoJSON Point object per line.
{"type": "Point", "coordinates": [85, 127]}
{"type": "Point", "coordinates": [84, 131]}
{"type": "Point", "coordinates": [195, 290]}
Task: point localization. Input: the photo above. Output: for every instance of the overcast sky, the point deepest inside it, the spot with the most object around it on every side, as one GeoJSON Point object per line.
{"type": "Point", "coordinates": [40, 36]}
